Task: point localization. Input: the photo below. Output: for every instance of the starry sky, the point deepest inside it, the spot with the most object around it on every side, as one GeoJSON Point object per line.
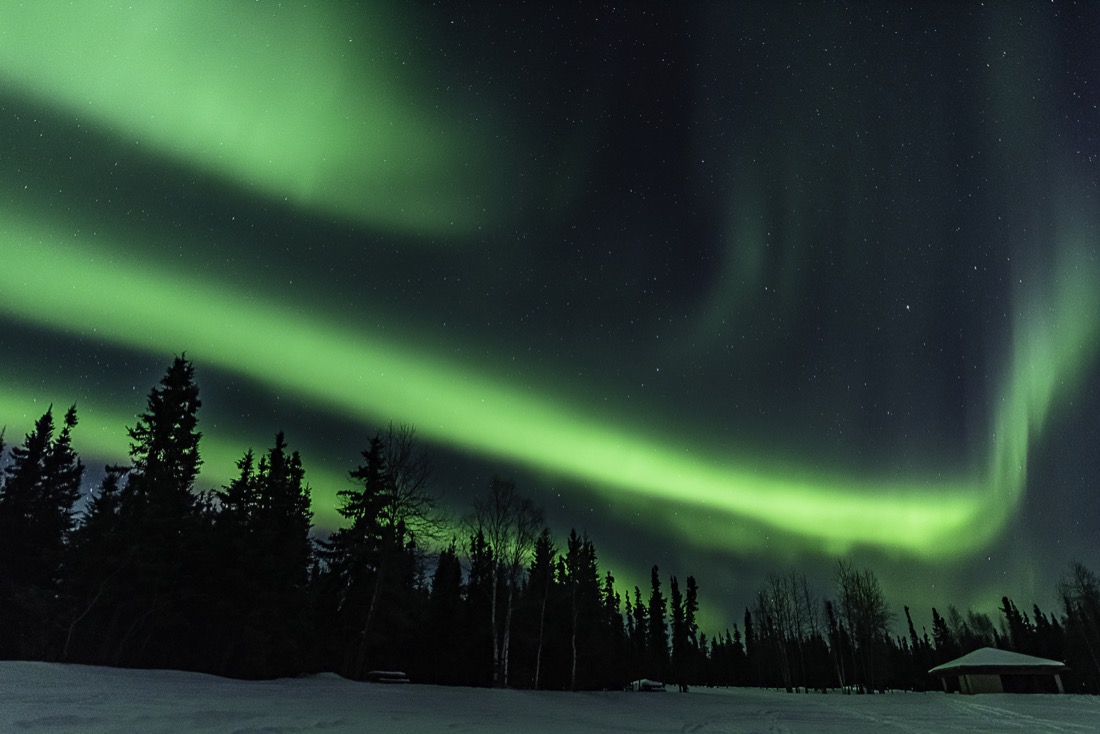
{"type": "Point", "coordinates": [736, 288]}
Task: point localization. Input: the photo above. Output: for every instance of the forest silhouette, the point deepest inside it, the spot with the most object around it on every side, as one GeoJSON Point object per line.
{"type": "Point", "coordinates": [146, 571]}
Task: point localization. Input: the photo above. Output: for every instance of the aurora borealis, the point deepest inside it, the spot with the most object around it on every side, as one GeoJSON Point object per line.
{"type": "Point", "coordinates": [734, 288]}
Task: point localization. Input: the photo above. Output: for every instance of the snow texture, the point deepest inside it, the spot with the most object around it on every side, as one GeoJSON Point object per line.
{"type": "Point", "coordinates": [44, 697]}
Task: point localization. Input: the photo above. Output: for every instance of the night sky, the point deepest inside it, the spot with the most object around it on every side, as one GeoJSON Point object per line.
{"type": "Point", "coordinates": [736, 288]}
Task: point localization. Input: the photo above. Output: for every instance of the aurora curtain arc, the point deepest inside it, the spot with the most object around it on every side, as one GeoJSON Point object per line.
{"type": "Point", "coordinates": [328, 129]}
{"type": "Point", "coordinates": [54, 281]}
{"type": "Point", "coordinates": [300, 105]}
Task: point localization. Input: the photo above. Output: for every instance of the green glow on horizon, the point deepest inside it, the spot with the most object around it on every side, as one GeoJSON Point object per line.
{"type": "Point", "coordinates": [304, 102]}
{"type": "Point", "coordinates": [52, 280]}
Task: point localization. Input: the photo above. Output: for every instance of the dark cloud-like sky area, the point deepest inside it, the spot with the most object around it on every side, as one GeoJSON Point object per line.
{"type": "Point", "coordinates": [735, 288]}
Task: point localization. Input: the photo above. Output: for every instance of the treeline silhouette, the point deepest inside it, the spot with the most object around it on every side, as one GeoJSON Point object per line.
{"type": "Point", "coordinates": [147, 572]}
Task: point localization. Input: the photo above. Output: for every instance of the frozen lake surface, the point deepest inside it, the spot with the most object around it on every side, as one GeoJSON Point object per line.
{"type": "Point", "coordinates": [47, 697]}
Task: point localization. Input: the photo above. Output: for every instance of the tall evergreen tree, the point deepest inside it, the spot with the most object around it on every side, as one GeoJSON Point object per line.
{"type": "Point", "coordinates": [357, 556]}
{"type": "Point", "coordinates": [165, 525]}
{"type": "Point", "coordinates": [1021, 634]}
{"type": "Point", "coordinates": [477, 628]}
{"type": "Point", "coordinates": [614, 650]}
{"type": "Point", "coordinates": [947, 648]}
{"type": "Point", "coordinates": [442, 654]}
{"type": "Point", "coordinates": [639, 653]}
{"type": "Point", "coordinates": [540, 581]}
{"type": "Point", "coordinates": [98, 555]}
{"type": "Point", "coordinates": [679, 635]}
{"type": "Point", "coordinates": [1049, 636]}
{"type": "Point", "coordinates": [164, 452]}
{"type": "Point", "coordinates": [581, 581]}
{"type": "Point", "coordinates": [696, 649]}
{"type": "Point", "coordinates": [264, 527]}
{"type": "Point", "coordinates": [40, 487]}
{"type": "Point", "coordinates": [1080, 591]}
{"type": "Point", "coordinates": [752, 656]}
{"type": "Point", "coordinates": [656, 627]}
{"type": "Point", "coordinates": [691, 609]}
{"type": "Point", "coordinates": [142, 586]}
{"type": "Point", "coordinates": [839, 646]}
{"type": "Point", "coordinates": [922, 659]}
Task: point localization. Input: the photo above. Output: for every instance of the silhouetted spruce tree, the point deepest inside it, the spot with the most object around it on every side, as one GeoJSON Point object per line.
{"type": "Point", "coordinates": [679, 635]}
{"type": "Point", "coordinates": [40, 487]}
{"type": "Point", "coordinates": [162, 599]}
{"type": "Point", "coordinates": [263, 528]}
{"type": "Point", "coordinates": [897, 668]}
{"type": "Point", "coordinates": [164, 454]}
{"type": "Point", "coordinates": [477, 630]}
{"type": "Point", "coordinates": [581, 583]}
{"type": "Point", "coordinates": [639, 635]}
{"type": "Point", "coordinates": [540, 586]}
{"type": "Point", "coordinates": [656, 628]}
{"type": "Point", "coordinates": [442, 659]}
{"type": "Point", "coordinates": [1080, 592]}
{"type": "Point", "coordinates": [739, 660]}
{"type": "Point", "coordinates": [947, 648]}
{"type": "Point", "coordinates": [1021, 635]}
{"type": "Point", "coordinates": [702, 672]}
{"type": "Point", "coordinates": [922, 660]}
{"type": "Point", "coordinates": [139, 570]}
{"type": "Point", "coordinates": [98, 554]}
{"type": "Point", "coordinates": [695, 648]}
{"type": "Point", "coordinates": [720, 667]}
{"type": "Point", "coordinates": [613, 652]}
{"type": "Point", "coordinates": [557, 649]}
{"type": "Point", "coordinates": [233, 582]}
{"type": "Point", "coordinates": [371, 589]}
{"type": "Point", "coordinates": [727, 664]}
{"type": "Point", "coordinates": [752, 652]}
{"type": "Point", "coordinates": [1049, 637]}
{"type": "Point", "coordinates": [713, 668]}
{"type": "Point", "coordinates": [356, 557]}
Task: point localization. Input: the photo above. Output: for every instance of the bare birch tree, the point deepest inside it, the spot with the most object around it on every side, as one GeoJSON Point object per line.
{"type": "Point", "coordinates": [866, 616]}
{"type": "Point", "coordinates": [510, 524]}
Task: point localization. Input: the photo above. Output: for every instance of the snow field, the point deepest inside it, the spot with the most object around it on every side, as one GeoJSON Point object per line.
{"type": "Point", "coordinates": [47, 697]}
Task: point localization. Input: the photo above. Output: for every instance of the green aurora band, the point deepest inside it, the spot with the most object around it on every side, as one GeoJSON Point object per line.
{"type": "Point", "coordinates": [310, 113]}
{"type": "Point", "coordinates": [55, 280]}
{"type": "Point", "coordinates": [327, 128]}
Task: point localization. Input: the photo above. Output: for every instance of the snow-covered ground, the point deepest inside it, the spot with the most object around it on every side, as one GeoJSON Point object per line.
{"type": "Point", "coordinates": [41, 697]}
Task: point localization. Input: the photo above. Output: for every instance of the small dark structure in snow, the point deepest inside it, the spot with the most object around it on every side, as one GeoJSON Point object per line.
{"type": "Point", "coordinates": [387, 676]}
{"type": "Point", "coordinates": [990, 670]}
{"type": "Point", "coordinates": [645, 685]}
